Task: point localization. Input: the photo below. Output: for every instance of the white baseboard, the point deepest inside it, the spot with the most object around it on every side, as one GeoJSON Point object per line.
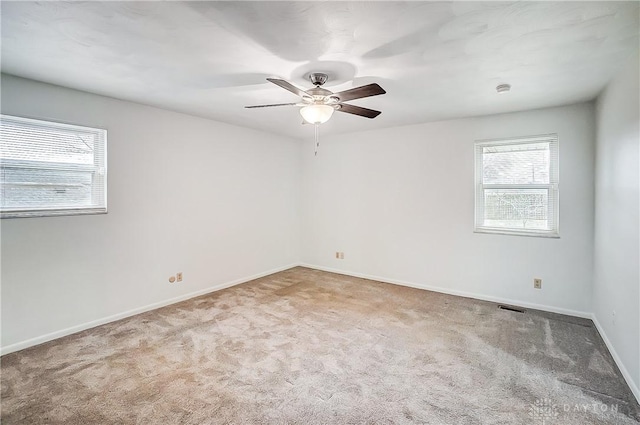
{"type": "Point", "coordinates": [448, 291]}
{"type": "Point", "coordinates": [84, 326]}
{"type": "Point", "coordinates": [625, 373]}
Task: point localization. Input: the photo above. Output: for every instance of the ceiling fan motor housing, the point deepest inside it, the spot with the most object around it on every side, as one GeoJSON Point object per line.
{"type": "Point", "coordinates": [318, 78]}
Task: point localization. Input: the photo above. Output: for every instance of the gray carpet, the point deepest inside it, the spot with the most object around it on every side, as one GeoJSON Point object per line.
{"type": "Point", "coordinates": [310, 347]}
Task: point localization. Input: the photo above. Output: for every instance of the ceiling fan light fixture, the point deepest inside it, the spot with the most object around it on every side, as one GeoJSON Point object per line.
{"type": "Point", "coordinates": [316, 114]}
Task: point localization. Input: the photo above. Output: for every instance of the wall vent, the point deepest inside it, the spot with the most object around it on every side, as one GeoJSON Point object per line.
{"type": "Point", "coordinates": [511, 308]}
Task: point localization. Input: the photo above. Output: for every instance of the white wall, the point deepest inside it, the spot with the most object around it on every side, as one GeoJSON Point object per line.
{"type": "Point", "coordinates": [399, 203]}
{"type": "Point", "coordinates": [217, 202]}
{"type": "Point", "coordinates": [617, 220]}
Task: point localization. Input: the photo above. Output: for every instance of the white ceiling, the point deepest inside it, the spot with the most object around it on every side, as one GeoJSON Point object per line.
{"type": "Point", "coordinates": [435, 60]}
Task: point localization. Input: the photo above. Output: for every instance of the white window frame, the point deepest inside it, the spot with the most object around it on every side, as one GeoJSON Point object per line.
{"type": "Point", "coordinates": [99, 170]}
{"type": "Point", "coordinates": [553, 186]}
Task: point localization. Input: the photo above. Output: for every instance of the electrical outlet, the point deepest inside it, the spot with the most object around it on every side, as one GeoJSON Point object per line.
{"type": "Point", "coordinates": [179, 276]}
{"type": "Point", "coordinates": [537, 283]}
{"type": "Point", "coordinates": [337, 255]}
{"type": "Point", "coordinates": [172, 279]}
{"type": "Point", "coordinates": [342, 255]}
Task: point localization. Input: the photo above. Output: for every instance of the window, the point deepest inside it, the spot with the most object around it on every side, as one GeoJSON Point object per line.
{"type": "Point", "coordinates": [517, 186]}
{"type": "Point", "coordinates": [49, 168]}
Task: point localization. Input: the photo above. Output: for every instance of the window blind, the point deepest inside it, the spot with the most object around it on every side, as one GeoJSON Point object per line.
{"type": "Point", "coordinates": [49, 168]}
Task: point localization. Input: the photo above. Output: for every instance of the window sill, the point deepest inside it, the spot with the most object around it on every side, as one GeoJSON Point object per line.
{"type": "Point", "coordinates": [552, 235]}
{"type": "Point", "coordinates": [52, 213]}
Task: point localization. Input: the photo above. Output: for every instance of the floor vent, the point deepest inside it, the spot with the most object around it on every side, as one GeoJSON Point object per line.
{"type": "Point", "coordinates": [510, 308]}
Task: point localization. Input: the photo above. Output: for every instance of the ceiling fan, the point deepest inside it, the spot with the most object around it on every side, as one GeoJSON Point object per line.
{"type": "Point", "coordinates": [318, 103]}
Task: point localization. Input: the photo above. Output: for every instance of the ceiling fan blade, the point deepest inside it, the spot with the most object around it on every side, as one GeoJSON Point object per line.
{"type": "Point", "coordinates": [287, 86]}
{"type": "Point", "coordinates": [359, 92]}
{"type": "Point", "coordinates": [357, 110]}
{"type": "Point", "coordinates": [273, 104]}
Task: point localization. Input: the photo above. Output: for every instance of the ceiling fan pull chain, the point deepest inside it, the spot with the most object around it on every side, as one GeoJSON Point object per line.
{"type": "Point", "coordinates": [317, 138]}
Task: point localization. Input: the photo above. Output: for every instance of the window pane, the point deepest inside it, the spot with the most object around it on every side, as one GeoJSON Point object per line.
{"type": "Point", "coordinates": [516, 208]}
{"type": "Point", "coordinates": [516, 164]}
{"type": "Point", "coordinates": [33, 188]}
